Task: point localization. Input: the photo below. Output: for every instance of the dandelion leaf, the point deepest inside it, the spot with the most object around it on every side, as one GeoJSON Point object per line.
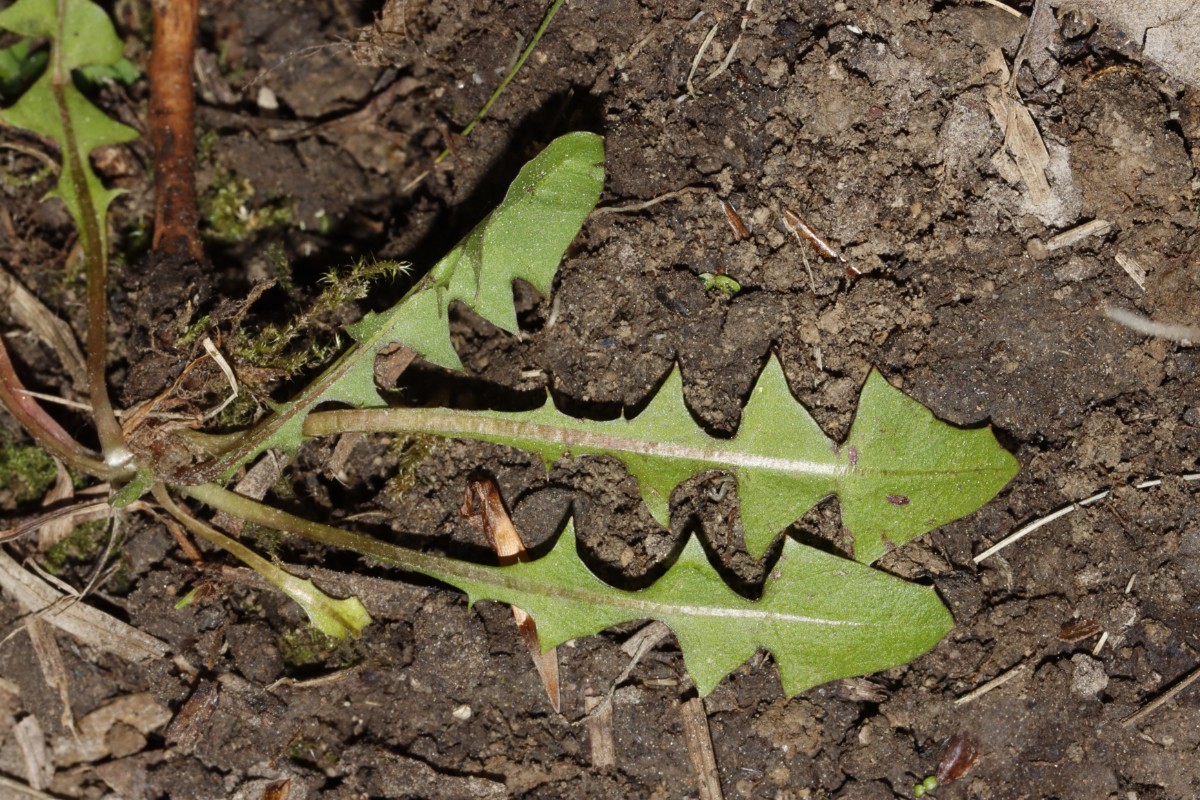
{"type": "Point", "coordinates": [83, 36]}
{"type": "Point", "coordinates": [822, 617]}
{"type": "Point", "coordinates": [524, 237]}
{"type": "Point", "coordinates": [900, 474]}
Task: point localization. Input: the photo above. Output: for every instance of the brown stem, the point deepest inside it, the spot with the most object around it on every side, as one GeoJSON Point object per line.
{"type": "Point", "coordinates": [172, 127]}
{"type": "Point", "coordinates": [42, 427]}
{"type": "Point", "coordinates": [95, 248]}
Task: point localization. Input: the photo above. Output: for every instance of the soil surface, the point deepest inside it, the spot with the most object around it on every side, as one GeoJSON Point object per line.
{"type": "Point", "coordinates": [871, 119]}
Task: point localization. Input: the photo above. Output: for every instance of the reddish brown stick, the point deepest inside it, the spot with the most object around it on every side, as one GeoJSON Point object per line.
{"type": "Point", "coordinates": [172, 127]}
{"type": "Point", "coordinates": [800, 230]}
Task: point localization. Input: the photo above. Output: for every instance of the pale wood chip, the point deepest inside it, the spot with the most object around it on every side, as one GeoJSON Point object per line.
{"type": "Point", "coordinates": [89, 625]}
{"type": "Point", "coordinates": [600, 731]}
{"type": "Point", "coordinates": [483, 507]}
{"type": "Point", "coordinates": [700, 750]}
{"type": "Point", "coordinates": [31, 742]}
{"type": "Point", "coordinates": [49, 657]}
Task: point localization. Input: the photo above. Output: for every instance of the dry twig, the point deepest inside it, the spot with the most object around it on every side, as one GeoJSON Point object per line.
{"type": "Point", "coordinates": [700, 750]}
{"type": "Point", "coordinates": [994, 683]}
{"type": "Point", "coordinates": [1162, 699]}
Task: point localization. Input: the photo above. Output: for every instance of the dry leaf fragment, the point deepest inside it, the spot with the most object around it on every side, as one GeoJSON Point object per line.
{"type": "Point", "coordinates": [1023, 144]}
{"type": "Point", "coordinates": [958, 758]}
{"type": "Point", "coordinates": [31, 743]}
{"type": "Point", "coordinates": [138, 713]}
{"type": "Point", "coordinates": [89, 625]}
{"type": "Point", "coordinates": [484, 509]}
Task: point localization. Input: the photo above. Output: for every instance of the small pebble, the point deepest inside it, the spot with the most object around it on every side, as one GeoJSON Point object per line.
{"type": "Point", "coordinates": [1089, 678]}
{"type": "Point", "coordinates": [266, 99]}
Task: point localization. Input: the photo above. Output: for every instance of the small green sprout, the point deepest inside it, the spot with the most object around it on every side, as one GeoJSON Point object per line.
{"type": "Point", "coordinates": [925, 786]}
{"type": "Point", "coordinates": [722, 283]}
{"type": "Point", "coordinates": [186, 600]}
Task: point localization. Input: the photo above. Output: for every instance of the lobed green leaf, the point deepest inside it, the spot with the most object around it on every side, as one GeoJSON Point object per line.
{"type": "Point", "coordinates": [900, 473]}
{"type": "Point", "coordinates": [524, 237]}
{"type": "Point", "coordinates": [53, 107]}
{"type": "Point", "coordinates": [822, 617]}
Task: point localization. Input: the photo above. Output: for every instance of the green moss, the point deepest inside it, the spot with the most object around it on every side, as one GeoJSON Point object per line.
{"type": "Point", "coordinates": [267, 540]}
{"type": "Point", "coordinates": [84, 544]}
{"type": "Point", "coordinates": [411, 452]}
{"type": "Point", "coordinates": [194, 331]}
{"type": "Point", "coordinates": [206, 145]}
{"type": "Point", "coordinates": [305, 646]}
{"type": "Point", "coordinates": [300, 343]}
{"type": "Point", "coordinates": [230, 215]}
{"type": "Point", "coordinates": [26, 471]}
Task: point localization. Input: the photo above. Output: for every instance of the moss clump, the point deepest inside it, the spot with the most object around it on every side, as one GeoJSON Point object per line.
{"type": "Point", "coordinates": [411, 452]}
{"type": "Point", "coordinates": [306, 646]}
{"type": "Point", "coordinates": [84, 544]}
{"type": "Point", "coordinates": [231, 216]}
{"type": "Point", "coordinates": [26, 471]}
{"type": "Point", "coordinates": [275, 347]}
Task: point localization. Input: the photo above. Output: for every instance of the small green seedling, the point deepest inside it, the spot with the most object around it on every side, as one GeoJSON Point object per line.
{"type": "Point", "coordinates": [899, 474]}
{"type": "Point", "coordinates": [19, 65]}
{"type": "Point", "coordinates": [924, 787]}
{"type": "Point", "coordinates": [722, 283]}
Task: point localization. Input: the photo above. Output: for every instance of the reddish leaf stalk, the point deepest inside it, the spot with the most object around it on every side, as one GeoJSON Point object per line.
{"type": "Point", "coordinates": [95, 249]}
{"type": "Point", "coordinates": [42, 426]}
{"type": "Point", "coordinates": [172, 128]}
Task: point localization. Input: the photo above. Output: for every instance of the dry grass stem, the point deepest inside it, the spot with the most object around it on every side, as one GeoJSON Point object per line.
{"type": "Point", "coordinates": [1009, 9]}
{"type": "Point", "coordinates": [691, 89]}
{"type": "Point", "coordinates": [700, 749]}
{"type": "Point", "coordinates": [1062, 512]}
{"type": "Point", "coordinates": [227, 371]}
{"type": "Point", "coordinates": [1162, 699]}
{"type": "Point", "coordinates": [632, 208]}
{"type": "Point", "coordinates": [747, 15]}
{"type": "Point", "coordinates": [50, 660]}
{"type": "Point", "coordinates": [994, 683]}
{"type": "Point", "coordinates": [87, 624]}
{"type": "Point", "coordinates": [1184, 334]}
{"type": "Point", "coordinates": [1133, 269]}
{"type": "Point", "coordinates": [31, 313]}
{"type": "Point", "coordinates": [23, 790]}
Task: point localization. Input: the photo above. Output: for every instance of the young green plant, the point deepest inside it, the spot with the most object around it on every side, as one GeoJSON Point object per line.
{"type": "Point", "coordinates": [899, 474]}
